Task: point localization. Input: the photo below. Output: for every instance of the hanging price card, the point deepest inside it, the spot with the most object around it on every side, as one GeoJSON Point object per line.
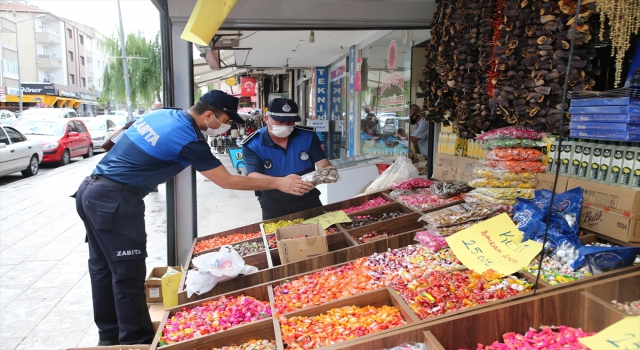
{"type": "Point", "coordinates": [328, 219]}
{"type": "Point", "coordinates": [623, 335]}
{"type": "Point", "coordinates": [493, 244]}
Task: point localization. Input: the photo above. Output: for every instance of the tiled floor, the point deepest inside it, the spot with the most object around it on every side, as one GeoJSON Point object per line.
{"type": "Point", "coordinates": [45, 291]}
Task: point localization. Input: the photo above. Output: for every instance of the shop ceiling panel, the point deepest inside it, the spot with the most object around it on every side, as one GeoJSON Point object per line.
{"type": "Point", "coordinates": [318, 14]}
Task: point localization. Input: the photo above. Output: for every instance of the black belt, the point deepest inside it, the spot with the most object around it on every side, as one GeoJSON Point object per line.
{"type": "Point", "coordinates": [104, 180]}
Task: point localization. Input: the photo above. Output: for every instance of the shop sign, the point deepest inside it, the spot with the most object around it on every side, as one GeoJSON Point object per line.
{"type": "Point", "coordinates": [70, 94]}
{"type": "Point", "coordinates": [38, 89]}
{"type": "Point", "coordinates": [87, 97]}
{"type": "Point", "coordinates": [624, 334]}
{"type": "Point", "coordinates": [393, 103]}
{"type": "Point", "coordinates": [358, 81]}
{"type": "Point", "coordinates": [352, 77]}
{"type": "Point", "coordinates": [12, 91]}
{"type": "Point", "coordinates": [321, 125]}
{"type": "Point", "coordinates": [336, 99]}
{"type": "Point", "coordinates": [392, 55]}
{"type": "Point", "coordinates": [231, 81]}
{"type": "Point", "coordinates": [337, 71]}
{"type": "Point", "coordinates": [393, 79]}
{"type": "Point", "coordinates": [248, 85]}
{"type": "Point", "coordinates": [322, 95]}
{"type": "Point", "coordinates": [329, 219]}
{"type": "Point", "coordinates": [494, 244]}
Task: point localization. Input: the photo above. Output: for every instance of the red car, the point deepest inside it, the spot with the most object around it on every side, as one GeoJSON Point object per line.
{"type": "Point", "coordinates": [61, 139]}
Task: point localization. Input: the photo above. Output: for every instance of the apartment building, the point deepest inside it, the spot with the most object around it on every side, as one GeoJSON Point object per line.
{"type": "Point", "coordinates": [59, 56]}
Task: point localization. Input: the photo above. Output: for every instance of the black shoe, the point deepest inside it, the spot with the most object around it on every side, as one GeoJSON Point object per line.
{"type": "Point", "coordinates": [108, 342]}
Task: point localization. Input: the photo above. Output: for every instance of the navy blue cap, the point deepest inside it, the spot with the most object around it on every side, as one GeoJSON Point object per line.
{"type": "Point", "coordinates": [283, 110]}
{"type": "Point", "coordinates": [225, 102]}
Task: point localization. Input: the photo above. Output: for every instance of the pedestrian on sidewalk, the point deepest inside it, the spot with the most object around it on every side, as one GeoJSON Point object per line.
{"type": "Point", "coordinates": [280, 149]}
{"type": "Point", "coordinates": [110, 203]}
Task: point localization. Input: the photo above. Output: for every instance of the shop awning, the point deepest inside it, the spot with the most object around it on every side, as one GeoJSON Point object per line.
{"type": "Point", "coordinates": [62, 102]}
{"type": "Point", "coordinates": [75, 103]}
{"type": "Point", "coordinates": [90, 103]}
{"type": "Point", "coordinates": [46, 99]}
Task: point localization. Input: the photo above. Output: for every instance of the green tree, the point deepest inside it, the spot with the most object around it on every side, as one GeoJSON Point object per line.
{"type": "Point", "coordinates": [145, 73]}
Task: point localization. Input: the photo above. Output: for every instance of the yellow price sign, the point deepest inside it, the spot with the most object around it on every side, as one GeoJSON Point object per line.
{"type": "Point", "coordinates": [328, 219]}
{"type": "Point", "coordinates": [623, 335]}
{"type": "Point", "coordinates": [494, 244]}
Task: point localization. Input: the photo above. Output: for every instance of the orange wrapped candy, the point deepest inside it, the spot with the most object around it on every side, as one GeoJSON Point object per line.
{"type": "Point", "coordinates": [216, 242]}
{"type": "Point", "coordinates": [517, 153]}
{"type": "Point", "coordinates": [516, 166]}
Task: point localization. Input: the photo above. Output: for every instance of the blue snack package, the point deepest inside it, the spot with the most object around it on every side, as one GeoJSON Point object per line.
{"type": "Point", "coordinates": [542, 198]}
{"type": "Point", "coordinates": [566, 205]}
{"type": "Point", "coordinates": [603, 259]}
{"type": "Point", "coordinates": [525, 213]}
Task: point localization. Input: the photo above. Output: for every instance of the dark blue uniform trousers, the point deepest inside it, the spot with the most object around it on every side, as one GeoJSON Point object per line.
{"type": "Point", "coordinates": [114, 219]}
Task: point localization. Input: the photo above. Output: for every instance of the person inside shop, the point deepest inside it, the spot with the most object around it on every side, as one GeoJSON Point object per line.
{"type": "Point", "coordinates": [280, 149]}
{"type": "Point", "coordinates": [110, 203]}
{"type": "Point", "coordinates": [371, 124]}
{"type": "Point", "coordinates": [420, 136]}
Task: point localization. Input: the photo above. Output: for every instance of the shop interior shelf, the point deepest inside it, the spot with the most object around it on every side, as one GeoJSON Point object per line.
{"type": "Point", "coordinates": [562, 307]}
{"type": "Point", "coordinates": [257, 292]}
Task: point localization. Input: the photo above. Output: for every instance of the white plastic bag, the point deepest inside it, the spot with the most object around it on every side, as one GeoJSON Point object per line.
{"type": "Point", "coordinates": [401, 170]}
{"type": "Point", "coordinates": [214, 267]}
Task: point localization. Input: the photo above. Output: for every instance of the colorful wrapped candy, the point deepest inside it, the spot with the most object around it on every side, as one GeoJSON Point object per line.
{"type": "Point", "coordinates": [479, 197]}
{"type": "Point", "coordinates": [517, 153]}
{"type": "Point", "coordinates": [422, 202]}
{"type": "Point", "coordinates": [372, 203]}
{"type": "Point", "coordinates": [337, 325]}
{"type": "Point", "coordinates": [216, 242]}
{"type": "Point", "coordinates": [512, 132]}
{"type": "Point", "coordinates": [505, 193]}
{"type": "Point", "coordinates": [561, 337]}
{"type": "Point", "coordinates": [495, 173]}
{"type": "Point", "coordinates": [631, 308]}
{"type": "Point", "coordinates": [448, 189]}
{"type": "Point", "coordinates": [439, 292]}
{"type": "Point", "coordinates": [416, 182]}
{"type": "Point", "coordinates": [500, 183]}
{"type": "Point", "coordinates": [262, 344]}
{"type": "Point", "coordinates": [271, 227]}
{"type": "Point", "coordinates": [516, 166]}
{"type": "Point", "coordinates": [431, 241]}
{"type": "Point", "coordinates": [459, 214]}
{"type": "Point", "coordinates": [213, 316]}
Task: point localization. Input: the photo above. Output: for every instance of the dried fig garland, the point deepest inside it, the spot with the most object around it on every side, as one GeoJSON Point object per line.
{"type": "Point", "coordinates": [623, 17]}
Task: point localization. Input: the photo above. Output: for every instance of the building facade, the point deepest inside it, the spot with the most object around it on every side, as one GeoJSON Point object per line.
{"type": "Point", "coordinates": [56, 55]}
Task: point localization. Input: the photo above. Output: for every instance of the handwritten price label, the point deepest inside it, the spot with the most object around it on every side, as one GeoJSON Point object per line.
{"type": "Point", "coordinates": [328, 219]}
{"type": "Point", "coordinates": [493, 244]}
{"type": "Point", "coordinates": [623, 335]}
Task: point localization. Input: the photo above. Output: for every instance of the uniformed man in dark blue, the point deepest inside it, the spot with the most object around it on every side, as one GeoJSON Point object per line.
{"type": "Point", "coordinates": [280, 149]}
{"type": "Point", "coordinates": [110, 202]}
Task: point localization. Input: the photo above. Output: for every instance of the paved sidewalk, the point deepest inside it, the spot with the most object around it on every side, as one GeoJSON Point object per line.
{"type": "Point", "coordinates": [45, 291]}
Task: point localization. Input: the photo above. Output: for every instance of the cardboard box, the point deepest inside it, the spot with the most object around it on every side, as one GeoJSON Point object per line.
{"type": "Point", "coordinates": [446, 161]}
{"type": "Point", "coordinates": [154, 287]}
{"type": "Point", "coordinates": [295, 249]}
{"type": "Point", "coordinates": [442, 173]}
{"type": "Point", "coordinates": [466, 165]}
{"type": "Point", "coordinates": [615, 225]}
{"type": "Point", "coordinates": [156, 312]}
{"type": "Point", "coordinates": [620, 200]}
{"type": "Point", "coordinates": [545, 181]}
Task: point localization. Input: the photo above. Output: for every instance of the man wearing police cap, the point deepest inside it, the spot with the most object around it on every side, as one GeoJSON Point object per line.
{"type": "Point", "coordinates": [280, 149]}
{"type": "Point", "coordinates": [110, 203]}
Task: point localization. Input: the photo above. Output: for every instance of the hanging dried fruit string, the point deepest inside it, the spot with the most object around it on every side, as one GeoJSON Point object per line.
{"type": "Point", "coordinates": [497, 23]}
{"type": "Point", "coordinates": [624, 19]}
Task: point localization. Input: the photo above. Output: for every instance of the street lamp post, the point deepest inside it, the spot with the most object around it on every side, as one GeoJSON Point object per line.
{"type": "Point", "coordinates": [18, 56]}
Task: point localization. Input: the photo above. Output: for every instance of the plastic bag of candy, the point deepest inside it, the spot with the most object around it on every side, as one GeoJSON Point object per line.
{"type": "Point", "coordinates": [495, 173]}
{"type": "Point", "coordinates": [459, 214]}
{"type": "Point", "coordinates": [566, 205]}
{"type": "Point", "coordinates": [500, 183]}
{"type": "Point", "coordinates": [431, 241]}
{"type": "Point", "coordinates": [416, 182]}
{"type": "Point", "coordinates": [402, 169]}
{"type": "Point", "coordinates": [603, 259]}
{"type": "Point", "coordinates": [399, 193]}
{"type": "Point", "coordinates": [516, 166]}
{"type": "Point", "coordinates": [495, 143]}
{"type": "Point", "coordinates": [505, 193]}
{"type": "Point", "coordinates": [426, 201]}
{"type": "Point", "coordinates": [445, 231]}
{"type": "Point", "coordinates": [512, 132]}
{"type": "Point", "coordinates": [517, 153]}
{"type": "Point", "coordinates": [488, 199]}
{"type": "Point", "coordinates": [322, 176]}
{"type": "Point", "coordinates": [448, 188]}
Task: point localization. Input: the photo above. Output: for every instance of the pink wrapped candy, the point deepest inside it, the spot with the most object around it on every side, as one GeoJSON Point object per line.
{"type": "Point", "coordinates": [416, 182]}
{"type": "Point", "coordinates": [431, 241]}
{"type": "Point", "coordinates": [562, 337]}
{"type": "Point", "coordinates": [512, 132]}
{"type": "Point", "coordinates": [372, 203]}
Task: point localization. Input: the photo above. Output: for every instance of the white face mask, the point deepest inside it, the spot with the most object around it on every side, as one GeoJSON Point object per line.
{"type": "Point", "coordinates": [219, 131]}
{"type": "Point", "coordinates": [281, 131]}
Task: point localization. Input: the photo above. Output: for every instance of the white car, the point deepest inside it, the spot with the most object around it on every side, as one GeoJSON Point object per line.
{"type": "Point", "coordinates": [47, 114]}
{"type": "Point", "coordinates": [99, 127]}
{"type": "Point", "coordinates": [7, 117]}
{"type": "Point", "coordinates": [18, 153]}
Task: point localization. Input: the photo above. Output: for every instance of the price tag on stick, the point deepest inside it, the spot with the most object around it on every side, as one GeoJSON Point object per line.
{"type": "Point", "coordinates": [494, 244]}
{"type": "Point", "coordinates": [328, 219]}
{"type": "Point", "coordinates": [624, 334]}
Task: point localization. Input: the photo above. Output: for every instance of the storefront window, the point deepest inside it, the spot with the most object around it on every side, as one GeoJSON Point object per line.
{"type": "Point", "coordinates": [385, 94]}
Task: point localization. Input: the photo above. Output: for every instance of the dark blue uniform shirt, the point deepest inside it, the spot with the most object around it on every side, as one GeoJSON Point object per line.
{"type": "Point", "coordinates": [263, 156]}
{"type": "Point", "coordinates": [156, 148]}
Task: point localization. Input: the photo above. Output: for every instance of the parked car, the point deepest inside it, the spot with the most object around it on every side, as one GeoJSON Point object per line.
{"type": "Point", "coordinates": [18, 153]}
{"type": "Point", "coordinates": [48, 113]}
{"type": "Point", "coordinates": [7, 117]}
{"type": "Point", "coordinates": [99, 127]}
{"type": "Point", "coordinates": [61, 139]}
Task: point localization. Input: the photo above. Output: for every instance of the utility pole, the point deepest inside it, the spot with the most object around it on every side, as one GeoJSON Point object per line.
{"type": "Point", "coordinates": [125, 66]}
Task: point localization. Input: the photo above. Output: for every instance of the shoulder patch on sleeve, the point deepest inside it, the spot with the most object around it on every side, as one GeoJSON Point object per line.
{"type": "Point", "coordinates": [305, 128]}
{"type": "Point", "coordinates": [249, 138]}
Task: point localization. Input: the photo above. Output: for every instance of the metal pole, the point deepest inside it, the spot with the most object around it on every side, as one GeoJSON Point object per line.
{"type": "Point", "coordinates": [125, 66]}
{"type": "Point", "coordinates": [19, 79]}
